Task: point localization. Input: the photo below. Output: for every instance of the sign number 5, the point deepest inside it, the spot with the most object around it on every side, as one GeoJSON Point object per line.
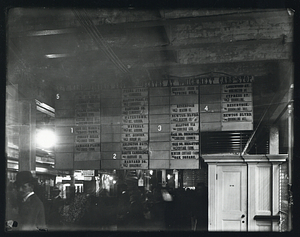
{"type": "Point", "coordinates": [159, 128]}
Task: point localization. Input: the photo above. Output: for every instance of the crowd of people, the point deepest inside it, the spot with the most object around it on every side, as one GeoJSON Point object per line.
{"type": "Point", "coordinates": [133, 209]}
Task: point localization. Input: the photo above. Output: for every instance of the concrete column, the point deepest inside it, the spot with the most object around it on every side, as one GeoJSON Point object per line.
{"type": "Point", "coordinates": [27, 144]}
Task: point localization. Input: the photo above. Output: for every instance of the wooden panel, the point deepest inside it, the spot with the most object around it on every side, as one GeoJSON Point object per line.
{"type": "Point", "coordinates": [263, 198]}
{"type": "Point", "coordinates": [110, 146]}
{"type": "Point", "coordinates": [184, 164]}
{"type": "Point", "coordinates": [63, 104]}
{"type": "Point", "coordinates": [86, 156]}
{"type": "Point", "coordinates": [237, 126]}
{"type": "Point", "coordinates": [210, 126]}
{"type": "Point", "coordinates": [64, 161]}
{"type": "Point", "coordinates": [210, 89]}
{"type": "Point", "coordinates": [159, 136]}
{"type": "Point", "coordinates": [212, 200]}
{"type": "Point", "coordinates": [158, 110]}
{"type": "Point", "coordinates": [65, 95]}
{"type": "Point", "coordinates": [87, 165]}
{"type": "Point", "coordinates": [110, 128]}
{"type": "Point", "coordinates": [62, 113]}
{"type": "Point", "coordinates": [111, 119]}
{"type": "Point", "coordinates": [210, 99]}
{"type": "Point", "coordinates": [159, 146]}
{"type": "Point", "coordinates": [111, 93]}
{"type": "Point", "coordinates": [162, 118]}
{"type": "Point", "coordinates": [163, 128]}
{"type": "Point", "coordinates": [64, 121]}
{"type": "Point", "coordinates": [63, 130]}
{"type": "Point", "coordinates": [159, 164]}
{"type": "Point", "coordinates": [64, 148]}
{"type": "Point", "coordinates": [110, 164]}
{"type": "Point", "coordinates": [193, 99]}
{"type": "Point", "coordinates": [159, 101]}
{"type": "Point", "coordinates": [159, 155]}
{"type": "Point", "coordinates": [210, 117]}
{"type": "Point", "coordinates": [110, 155]}
{"type": "Point", "coordinates": [164, 91]}
{"type": "Point", "coordinates": [110, 137]}
{"type": "Point", "coordinates": [110, 103]}
{"type": "Point", "coordinates": [209, 107]}
{"type": "Point", "coordinates": [111, 112]}
{"type": "Point", "coordinates": [65, 139]}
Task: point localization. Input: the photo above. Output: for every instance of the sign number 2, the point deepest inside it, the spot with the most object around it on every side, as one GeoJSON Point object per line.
{"type": "Point", "coordinates": [159, 128]}
{"type": "Point", "coordinates": [114, 156]}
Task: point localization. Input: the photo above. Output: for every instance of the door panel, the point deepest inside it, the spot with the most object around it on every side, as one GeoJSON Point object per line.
{"type": "Point", "coordinates": [231, 198]}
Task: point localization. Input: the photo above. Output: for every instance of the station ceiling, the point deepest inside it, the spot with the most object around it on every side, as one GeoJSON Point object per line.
{"type": "Point", "coordinates": [81, 46]}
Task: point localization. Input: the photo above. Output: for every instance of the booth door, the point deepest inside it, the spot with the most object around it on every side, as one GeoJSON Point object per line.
{"type": "Point", "coordinates": [231, 197]}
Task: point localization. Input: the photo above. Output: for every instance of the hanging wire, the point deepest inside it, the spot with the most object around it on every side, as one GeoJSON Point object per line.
{"type": "Point", "coordinates": [99, 40]}
{"type": "Point", "coordinates": [260, 121]}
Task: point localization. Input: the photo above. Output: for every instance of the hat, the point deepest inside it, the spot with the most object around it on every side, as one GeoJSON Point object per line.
{"type": "Point", "coordinates": [24, 177]}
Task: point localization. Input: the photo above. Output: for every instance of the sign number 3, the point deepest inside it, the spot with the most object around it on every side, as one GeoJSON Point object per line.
{"type": "Point", "coordinates": [159, 128]}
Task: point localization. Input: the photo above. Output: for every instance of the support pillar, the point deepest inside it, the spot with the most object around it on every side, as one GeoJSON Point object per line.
{"type": "Point", "coordinates": [27, 143]}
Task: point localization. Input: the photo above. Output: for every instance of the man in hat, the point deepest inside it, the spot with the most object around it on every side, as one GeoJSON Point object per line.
{"type": "Point", "coordinates": [31, 209]}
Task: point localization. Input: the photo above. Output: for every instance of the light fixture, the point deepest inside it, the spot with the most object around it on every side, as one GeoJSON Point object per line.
{"type": "Point", "coordinates": [45, 138]}
{"type": "Point", "coordinates": [57, 55]}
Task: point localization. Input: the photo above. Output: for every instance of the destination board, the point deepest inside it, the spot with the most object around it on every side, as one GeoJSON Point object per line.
{"type": "Point", "coordinates": [136, 119]}
{"type": "Point", "coordinates": [185, 108]}
{"type": "Point", "coordinates": [134, 164]}
{"type": "Point", "coordinates": [184, 124]}
{"type": "Point", "coordinates": [135, 128]}
{"type": "Point", "coordinates": [237, 97]}
{"type": "Point", "coordinates": [184, 154]}
{"type": "Point", "coordinates": [184, 136]}
{"type": "Point", "coordinates": [134, 137]}
{"type": "Point", "coordinates": [87, 119]}
{"type": "Point", "coordinates": [237, 107]}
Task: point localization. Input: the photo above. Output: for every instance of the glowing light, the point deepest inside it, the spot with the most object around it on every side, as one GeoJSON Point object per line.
{"type": "Point", "coordinates": [114, 181]}
{"type": "Point", "coordinates": [45, 139]}
{"type": "Point", "coordinates": [110, 178]}
{"type": "Point", "coordinates": [151, 172]}
{"type": "Point", "coordinates": [168, 176]}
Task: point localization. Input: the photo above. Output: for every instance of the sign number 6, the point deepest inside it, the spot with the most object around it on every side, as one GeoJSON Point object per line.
{"type": "Point", "coordinates": [159, 128]}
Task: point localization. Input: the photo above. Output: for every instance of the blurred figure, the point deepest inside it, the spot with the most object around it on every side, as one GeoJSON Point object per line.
{"type": "Point", "coordinates": [31, 215]}
{"type": "Point", "coordinates": [56, 206]}
{"type": "Point", "coordinates": [135, 216]}
{"type": "Point", "coordinates": [11, 212]}
{"type": "Point", "coordinates": [201, 209]}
